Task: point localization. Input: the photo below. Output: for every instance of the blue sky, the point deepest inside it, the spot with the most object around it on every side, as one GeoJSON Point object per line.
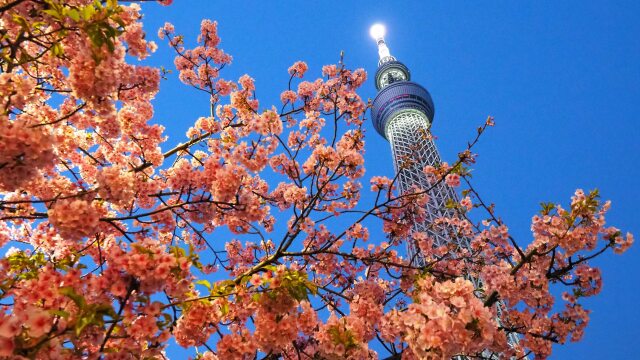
{"type": "Point", "coordinates": [562, 80]}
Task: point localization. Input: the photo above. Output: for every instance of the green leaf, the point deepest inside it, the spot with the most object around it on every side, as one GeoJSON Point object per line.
{"type": "Point", "coordinates": [57, 50]}
{"type": "Point", "coordinates": [547, 207]}
{"type": "Point", "coordinates": [73, 14]}
{"type": "Point", "coordinates": [53, 13]}
{"type": "Point", "coordinates": [22, 22]}
{"type": "Point", "coordinates": [223, 288]}
{"type": "Point", "coordinates": [87, 12]}
{"type": "Point", "coordinates": [313, 288]}
{"type": "Point", "coordinates": [167, 319]}
{"type": "Point", "coordinates": [83, 322]}
{"type": "Point", "coordinates": [178, 251]}
{"type": "Point", "coordinates": [105, 309]}
{"type": "Point", "coordinates": [118, 20]}
{"type": "Point", "coordinates": [224, 308]}
{"type": "Point", "coordinates": [344, 337]}
{"type": "Point", "coordinates": [205, 283]}
{"type": "Point", "coordinates": [71, 293]}
{"type": "Point", "coordinates": [195, 262]}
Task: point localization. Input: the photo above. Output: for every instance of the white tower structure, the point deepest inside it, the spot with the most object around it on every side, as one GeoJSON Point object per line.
{"type": "Point", "coordinates": [402, 113]}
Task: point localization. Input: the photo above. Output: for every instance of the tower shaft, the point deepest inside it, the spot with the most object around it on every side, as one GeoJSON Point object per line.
{"type": "Point", "coordinates": [413, 149]}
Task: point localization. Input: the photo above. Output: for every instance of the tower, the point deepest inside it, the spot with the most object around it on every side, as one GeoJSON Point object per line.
{"type": "Point", "coordinates": [402, 113]}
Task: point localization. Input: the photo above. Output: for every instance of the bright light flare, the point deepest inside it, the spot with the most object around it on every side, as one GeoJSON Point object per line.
{"type": "Point", "coordinates": [377, 31]}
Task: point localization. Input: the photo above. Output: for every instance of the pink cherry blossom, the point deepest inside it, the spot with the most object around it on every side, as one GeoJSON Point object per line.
{"type": "Point", "coordinates": [453, 180]}
{"type": "Point", "coordinates": [298, 69]}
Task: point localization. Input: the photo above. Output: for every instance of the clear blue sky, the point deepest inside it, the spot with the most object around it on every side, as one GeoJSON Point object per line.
{"type": "Point", "coordinates": [562, 80]}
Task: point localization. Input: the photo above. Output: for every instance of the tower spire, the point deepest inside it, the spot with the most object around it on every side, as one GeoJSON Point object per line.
{"type": "Point", "coordinates": [377, 32]}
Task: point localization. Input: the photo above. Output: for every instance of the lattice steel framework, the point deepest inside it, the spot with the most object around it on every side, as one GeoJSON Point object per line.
{"type": "Point", "coordinates": [413, 149]}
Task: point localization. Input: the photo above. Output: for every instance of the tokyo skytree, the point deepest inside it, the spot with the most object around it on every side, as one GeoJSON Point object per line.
{"type": "Point", "coordinates": [402, 113]}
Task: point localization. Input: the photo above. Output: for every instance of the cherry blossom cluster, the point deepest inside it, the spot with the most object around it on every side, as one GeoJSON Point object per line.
{"type": "Point", "coordinates": [445, 319]}
{"type": "Point", "coordinates": [26, 151]}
